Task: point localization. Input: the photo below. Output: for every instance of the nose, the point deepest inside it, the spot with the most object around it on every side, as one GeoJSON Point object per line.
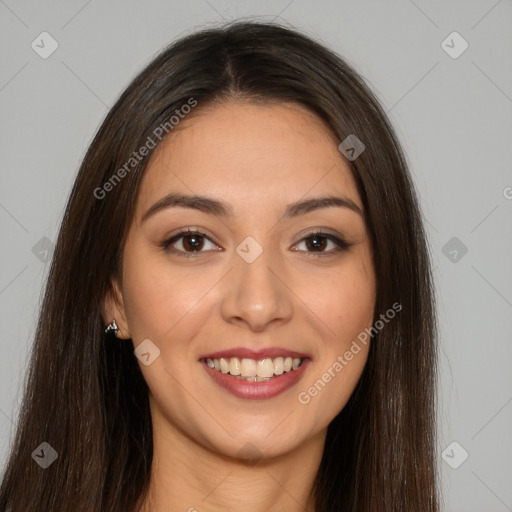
{"type": "Point", "coordinates": [257, 295]}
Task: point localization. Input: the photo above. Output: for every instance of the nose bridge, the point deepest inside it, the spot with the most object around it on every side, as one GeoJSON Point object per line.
{"type": "Point", "coordinates": [256, 295]}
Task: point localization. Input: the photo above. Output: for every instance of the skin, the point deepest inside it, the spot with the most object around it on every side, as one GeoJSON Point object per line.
{"type": "Point", "coordinates": [258, 158]}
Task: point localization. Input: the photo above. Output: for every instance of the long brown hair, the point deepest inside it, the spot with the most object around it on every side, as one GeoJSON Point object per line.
{"type": "Point", "coordinates": [85, 394]}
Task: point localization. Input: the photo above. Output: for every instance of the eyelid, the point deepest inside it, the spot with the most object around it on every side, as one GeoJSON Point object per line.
{"type": "Point", "coordinates": [318, 231]}
{"type": "Point", "coordinates": [178, 233]}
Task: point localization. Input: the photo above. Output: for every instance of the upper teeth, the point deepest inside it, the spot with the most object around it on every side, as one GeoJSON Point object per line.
{"type": "Point", "coordinates": [251, 368]}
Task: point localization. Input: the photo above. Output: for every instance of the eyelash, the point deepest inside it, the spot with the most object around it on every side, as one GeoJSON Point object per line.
{"type": "Point", "coordinates": [341, 244]}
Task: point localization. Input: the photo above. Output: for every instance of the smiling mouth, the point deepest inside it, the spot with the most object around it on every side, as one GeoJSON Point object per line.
{"type": "Point", "coordinates": [252, 370]}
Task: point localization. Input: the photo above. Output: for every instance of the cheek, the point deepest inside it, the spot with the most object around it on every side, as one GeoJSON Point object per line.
{"type": "Point", "coordinates": [160, 295]}
{"type": "Point", "coordinates": [343, 301]}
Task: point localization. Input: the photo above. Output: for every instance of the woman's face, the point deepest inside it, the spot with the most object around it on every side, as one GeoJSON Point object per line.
{"type": "Point", "coordinates": [256, 284]}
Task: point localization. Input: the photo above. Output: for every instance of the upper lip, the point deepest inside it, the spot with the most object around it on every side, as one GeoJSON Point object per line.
{"type": "Point", "coordinates": [247, 353]}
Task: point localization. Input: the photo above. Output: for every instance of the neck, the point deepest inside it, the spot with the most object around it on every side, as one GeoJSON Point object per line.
{"type": "Point", "coordinates": [190, 477]}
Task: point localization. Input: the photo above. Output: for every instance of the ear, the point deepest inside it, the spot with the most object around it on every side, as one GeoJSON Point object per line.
{"type": "Point", "coordinates": [112, 308]}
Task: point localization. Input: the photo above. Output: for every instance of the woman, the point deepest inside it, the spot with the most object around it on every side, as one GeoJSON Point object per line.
{"type": "Point", "coordinates": [239, 312]}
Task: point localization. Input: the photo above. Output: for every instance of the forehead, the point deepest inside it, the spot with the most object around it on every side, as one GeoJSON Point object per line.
{"type": "Point", "coordinates": [248, 155]}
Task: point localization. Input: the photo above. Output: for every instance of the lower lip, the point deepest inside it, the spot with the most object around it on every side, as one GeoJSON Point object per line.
{"type": "Point", "coordinates": [257, 390]}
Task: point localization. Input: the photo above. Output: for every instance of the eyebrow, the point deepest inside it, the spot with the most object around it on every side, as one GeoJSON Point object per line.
{"type": "Point", "coordinates": [222, 209]}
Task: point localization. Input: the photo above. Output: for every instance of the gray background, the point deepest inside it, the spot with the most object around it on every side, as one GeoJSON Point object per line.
{"type": "Point", "coordinates": [453, 116]}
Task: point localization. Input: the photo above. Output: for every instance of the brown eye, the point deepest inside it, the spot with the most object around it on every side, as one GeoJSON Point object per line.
{"type": "Point", "coordinates": [316, 244]}
{"type": "Point", "coordinates": [187, 243]}
{"type": "Point", "coordinates": [193, 242]}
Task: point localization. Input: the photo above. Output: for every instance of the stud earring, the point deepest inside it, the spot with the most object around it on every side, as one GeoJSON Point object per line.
{"type": "Point", "coordinates": [112, 327]}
